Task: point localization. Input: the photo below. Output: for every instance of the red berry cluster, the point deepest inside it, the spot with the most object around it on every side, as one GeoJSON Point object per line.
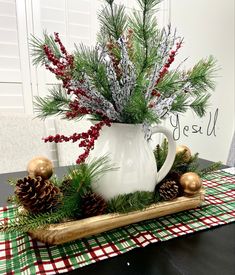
{"type": "Point", "coordinates": [76, 110]}
{"type": "Point", "coordinates": [62, 66]}
{"type": "Point", "coordinates": [87, 139]}
{"type": "Point", "coordinates": [155, 93]}
{"type": "Point", "coordinates": [170, 60]}
{"type": "Point", "coordinates": [62, 47]}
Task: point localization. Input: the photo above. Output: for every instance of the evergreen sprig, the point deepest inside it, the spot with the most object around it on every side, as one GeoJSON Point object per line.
{"type": "Point", "coordinates": [146, 35]}
{"type": "Point", "coordinates": [213, 167]}
{"type": "Point", "coordinates": [56, 103]}
{"type": "Point", "coordinates": [25, 223]}
{"type": "Point", "coordinates": [113, 19]}
{"type": "Point", "coordinates": [136, 111]}
{"type": "Point", "coordinates": [131, 202]}
{"type": "Point", "coordinates": [37, 50]}
{"type": "Point", "coordinates": [199, 81]}
{"type": "Point", "coordinates": [200, 104]}
{"type": "Point", "coordinates": [88, 60]}
{"type": "Point", "coordinates": [202, 75]}
{"type": "Point", "coordinates": [181, 163]}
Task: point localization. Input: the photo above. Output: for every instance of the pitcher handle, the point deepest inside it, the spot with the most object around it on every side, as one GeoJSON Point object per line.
{"type": "Point", "coordinates": [171, 151]}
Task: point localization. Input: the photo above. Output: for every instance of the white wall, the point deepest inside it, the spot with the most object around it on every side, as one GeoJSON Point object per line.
{"type": "Point", "coordinates": [208, 28]}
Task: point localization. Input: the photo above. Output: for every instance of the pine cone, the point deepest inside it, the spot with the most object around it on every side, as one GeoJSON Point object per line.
{"type": "Point", "coordinates": [175, 176]}
{"type": "Point", "coordinates": [169, 190]}
{"type": "Point", "coordinates": [93, 205]}
{"type": "Point", "coordinates": [65, 186]}
{"type": "Point", "coordinates": [36, 194]}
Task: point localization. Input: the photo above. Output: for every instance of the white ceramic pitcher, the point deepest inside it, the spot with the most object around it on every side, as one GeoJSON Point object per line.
{"type": "Point", "coordinates": [132, 154]}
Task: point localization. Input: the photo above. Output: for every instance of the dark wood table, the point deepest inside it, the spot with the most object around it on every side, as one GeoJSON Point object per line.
{"type": "Point", "coordinates": [209, 252]}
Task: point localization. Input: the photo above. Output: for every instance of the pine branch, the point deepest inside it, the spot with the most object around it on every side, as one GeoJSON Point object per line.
{"type": "Point", "coordinates": [213, 167]}
{"type": "Point", "coordinates": [148, 5]}
{"type": "Point", "coordinates": [181, 166]}
{"type": "Point", "coordinates": [190, 88]}
{"type": "Point", "coordinates": [200, 104]}
{"type": "Point", "coordinates": [12, 182]}
{"type": "Point", "coordinates": [131, 202]}
{"type": "Point", "coordinates": [113, 19]}
{"type": "Point", "coordinates": [160, 153]}
{"type": "Point", "coordinates": [56, 103]}
{"type": "Point", "coordinates": [137, 111]}
{"type": "Point", "coordinates": [199, 79]}
{"type": "Point", "coordinates": [145, 29]}
{"type": "Point", "coordinates": [37, 50]}
{"type": "Point", "coordinates": [85, 173]}
{"type": "Point", "coordinates": [202, 74]}
{"type": "Point", "coordinates": [30, 222]}
{"type": "Point", "coordinates": [100, 166]}
{"type": "Point", "coordinates": [88, 60]}
{"type": "Point", "coordinates": [170, 83]}
{"type": "Point", "coordinates": [181, 103]}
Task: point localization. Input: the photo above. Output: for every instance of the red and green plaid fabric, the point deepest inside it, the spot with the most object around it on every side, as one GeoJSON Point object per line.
{"type": "Point", "coordinates": [19, 254]}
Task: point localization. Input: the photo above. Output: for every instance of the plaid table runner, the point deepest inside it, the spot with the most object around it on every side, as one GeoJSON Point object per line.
{"type": "Point", "coordinates": [19, 254]}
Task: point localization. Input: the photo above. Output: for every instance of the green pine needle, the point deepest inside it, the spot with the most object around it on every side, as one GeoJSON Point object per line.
{"type": "Point", "coordinates": [26, 223]}
{"type": "Point", "coordinates": [87, 59]}
{"type": "Point", "coordinates": [113, 19]}
{"type": "Point", "coordinates": [146, 35]}
{"type": "Point", "coordinates": [37, 51]}
{"type": "Point", "coordinates": [200, 104]}
{"type": "Point", "coordinates": [180, 165]}
{"type": "Point", "coordinates": [202, 75]}
{"type": "Point", "coordinates": [56, 103]}
{"type": "Point", "coordinates": [131, 202]}
{"type": "Point", "coordinates": [213, 167]}
{"type": "Point", "coordinates": [136, 111]}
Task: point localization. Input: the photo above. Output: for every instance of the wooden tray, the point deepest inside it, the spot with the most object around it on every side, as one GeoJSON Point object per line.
{"type": "Point", "coordinates": [70, 231]}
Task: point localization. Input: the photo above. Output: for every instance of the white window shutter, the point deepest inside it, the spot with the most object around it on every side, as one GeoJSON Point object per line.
{"type": "Point", "coordinates": [11, 92]}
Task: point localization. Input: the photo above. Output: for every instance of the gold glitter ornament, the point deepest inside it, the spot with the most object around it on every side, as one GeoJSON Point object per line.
{"type": "Point", "coordinates": [191, 183]}
{"type": "Point", "coordinates": [40, 166]}
{"type": "Point", "coordinates": [180, 149]}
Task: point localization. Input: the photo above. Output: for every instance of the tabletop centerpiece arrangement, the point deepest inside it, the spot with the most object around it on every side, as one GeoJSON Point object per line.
{"type": "Point", "coordinates": [124, 85]}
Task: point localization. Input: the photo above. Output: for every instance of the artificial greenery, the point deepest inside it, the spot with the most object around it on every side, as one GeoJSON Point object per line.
{"type": "Point", "coordinates": [38, 52]}
{"type": "Point", "coordinates": [131, 202]}
{"type": "Point", "coordinates": [81, 177]}
{"type": "Point", "coordinates": [113, 20]}
{"type": "Point", "coordinates": [56, 103]}
{"type": "Point", "coordinates": [148, 49]}
{"type": "Point", "coordinates": [181, 163]}
{"type": "Point", "coordinates": [79, 181]}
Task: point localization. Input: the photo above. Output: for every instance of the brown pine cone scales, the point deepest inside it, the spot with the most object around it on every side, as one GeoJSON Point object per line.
{"type": "Point", "coordinates": [65, 186]}
{"type": "Point", "coordinates": [93, 205]}
{"type": "Point", "coordinates": [36, 194]}
{"type": "Point", "coordinates": [169, 190]}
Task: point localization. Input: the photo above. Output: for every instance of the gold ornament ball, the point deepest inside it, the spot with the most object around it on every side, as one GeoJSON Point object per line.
{"type": "Point", "coordinates": [40, 166]}
{"type": "Point", "coordinates": [191, 183]}
{"type": "Point", "coordinates": [182, 148]}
